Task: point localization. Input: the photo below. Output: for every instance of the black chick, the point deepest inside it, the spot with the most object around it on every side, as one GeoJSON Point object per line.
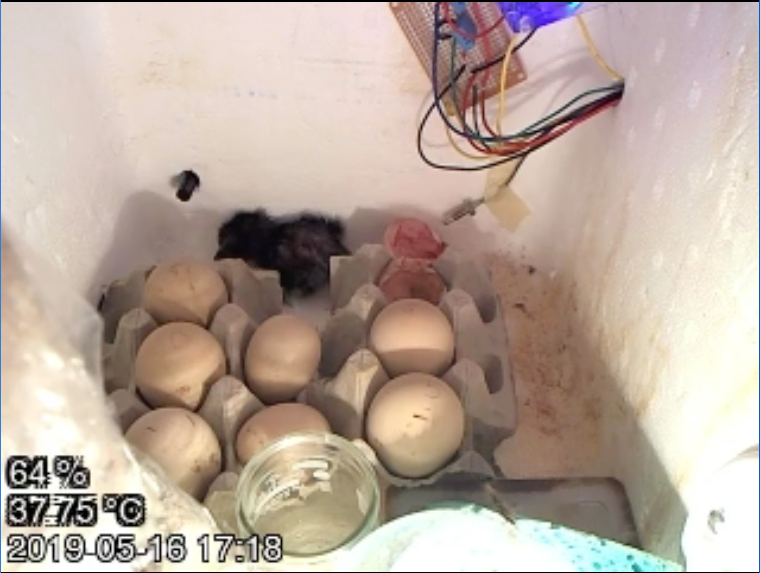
{"type": "Point", "coordinates": [298, 247]}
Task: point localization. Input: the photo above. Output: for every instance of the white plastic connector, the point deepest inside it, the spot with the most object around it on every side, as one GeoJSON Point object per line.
{"type": "Point", "coordinates": [721, 531]}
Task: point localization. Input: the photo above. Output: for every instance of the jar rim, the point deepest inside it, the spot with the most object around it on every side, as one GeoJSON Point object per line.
{"type": "Point", "coordinates": [314, 437]}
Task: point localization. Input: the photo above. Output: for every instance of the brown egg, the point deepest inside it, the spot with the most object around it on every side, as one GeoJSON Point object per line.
{"type": "Point", "coordinates": [412, 335]}
{"type": "Point", "coordinates": [184, 291]}
{"type": "Point", "coordinates": [281, 358]}
{"type": "Point", "coordinates": [274, 422]}
{"type": "Point", "coordinates": [182, 444]}
{"type": "Point", "coordinates": [415, 424]}
{"type": "Point", "coordinates": [177, 363]}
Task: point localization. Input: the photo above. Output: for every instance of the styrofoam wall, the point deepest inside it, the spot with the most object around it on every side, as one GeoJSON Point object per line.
{"type": "Point", "coordinates": [64, 173]}
{"type": "Point", "coordinates": [665, 272]}
{"type": "Point", "coordinates": [629, 292]}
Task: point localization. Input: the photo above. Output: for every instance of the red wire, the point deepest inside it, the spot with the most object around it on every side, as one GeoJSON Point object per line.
{"type": "Point", "coordinates": [484, 116]}
{"type": "Point", "coordinates": [512, 146]}
{"type": "Point", "coordinates": [554, 135]}
{"type": "Point", "coordinates": [486, 47]}
{"type": "Point", "coordinates": [465, 104]}
{"type": "Point", "coordinates": [516, 146]}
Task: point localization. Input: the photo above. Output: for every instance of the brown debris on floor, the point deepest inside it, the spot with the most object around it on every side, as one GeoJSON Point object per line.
{"type": "Point", "coordinates": [559, 409]}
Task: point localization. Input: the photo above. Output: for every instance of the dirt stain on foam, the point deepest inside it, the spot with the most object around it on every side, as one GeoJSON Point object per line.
{"type": "Point", "coordinates": [180, 72]}
{"type": "Point", "coordinates": [559, 410]}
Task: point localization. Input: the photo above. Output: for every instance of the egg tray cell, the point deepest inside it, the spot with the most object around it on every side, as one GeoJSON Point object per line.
{"type": "Point", "coordinates": [349, 374]}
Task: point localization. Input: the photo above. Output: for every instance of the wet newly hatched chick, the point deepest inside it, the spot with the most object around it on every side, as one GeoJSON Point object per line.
{"type": "Point", "coordinates": [298, 247]}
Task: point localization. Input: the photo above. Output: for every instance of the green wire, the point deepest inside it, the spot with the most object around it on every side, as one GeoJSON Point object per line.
{"type": "Point", "coordinates": [452, 75]}
{"type": "Point", "coordinates": [532, 128]}
{"type": "Point", "coordinates": [613, 87]}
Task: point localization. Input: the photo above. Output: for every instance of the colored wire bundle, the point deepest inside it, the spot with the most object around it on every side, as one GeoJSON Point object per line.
{"type": "Point", "coordinates": [490, 141]}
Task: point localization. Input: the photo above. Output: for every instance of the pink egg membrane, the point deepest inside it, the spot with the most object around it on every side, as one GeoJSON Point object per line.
{"type": "Point", "coordinates": [414, 247]}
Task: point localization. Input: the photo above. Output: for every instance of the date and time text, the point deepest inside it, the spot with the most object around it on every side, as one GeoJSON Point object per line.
{"type": "Point", "coordinates": [31, 504]}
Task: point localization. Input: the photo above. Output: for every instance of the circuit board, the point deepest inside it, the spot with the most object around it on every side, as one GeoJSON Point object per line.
{"type": "Point", "coordinates": [417, 22]}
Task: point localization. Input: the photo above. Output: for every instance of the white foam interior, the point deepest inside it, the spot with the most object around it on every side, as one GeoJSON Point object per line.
{"type": "Point", "coordinates": [635, 340]}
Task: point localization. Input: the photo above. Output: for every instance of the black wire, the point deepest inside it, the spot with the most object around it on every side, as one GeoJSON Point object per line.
{"type": "Point", "coordinates": [434, 77]}
{"type": "Point", "coordinates": [615, 90]}
{"type": "Point", "coordinates": [437, 97]}
{"type": "Point", "coordinates": [575, 114]}
{"type": "Point", "coordinates": [512, 175]}
{"type": "Point", "coordinates": [571, 115]}
{"type": "Point", "coordinates": [482, 68]}
{"type": "Point", "coordinates": [534, 129]}
{"type": "Point", "coordinates": [475, 114]}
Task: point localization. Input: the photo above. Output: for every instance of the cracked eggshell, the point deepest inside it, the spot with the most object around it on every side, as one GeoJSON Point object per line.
{"type": "Point", "coordinates": [275, 422]}
{"type": "Point", "coordinates": [413, 335]}
{"type": "Point", "coordinates": [415, 424]}
{"type": "Point", "coordinates": [182, 444]}
{"type": "Point", "coordinates": [282, 358]}
{"type": "Point", "coordinates": [184, 291]}
{"type": "Point", "coordinates": [177, 363]}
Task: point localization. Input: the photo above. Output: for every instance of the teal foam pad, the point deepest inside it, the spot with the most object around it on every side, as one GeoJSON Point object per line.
{"type": "Point", "coordinates": [591, 553]}
{"type": "Point", "coordinates": [593, 505]}
{"type": "Point", "coordinates": [467, 537]}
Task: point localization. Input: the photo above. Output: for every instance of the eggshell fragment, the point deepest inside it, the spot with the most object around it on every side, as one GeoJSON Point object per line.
{"type": "Point", "coordinates": [176, 364]}
{"type": "Point", "coordinates": [184, 291]}
{"type": "Point", "coordinates": [415, 424]}
{"type": "Point", "coordinates": [182, 444]}
{"type": "Point", "coordinates": [412, 335]}
{"type": "Point", "coordinates": [275, 422]}
{"type": "Point", "coordinates": [282, 357]}
{"type": "Point", "coordinates": [409, 278]}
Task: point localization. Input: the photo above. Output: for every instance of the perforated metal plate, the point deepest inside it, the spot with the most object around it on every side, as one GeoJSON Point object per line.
{"type": "Point", "coordinates": [417, 23]}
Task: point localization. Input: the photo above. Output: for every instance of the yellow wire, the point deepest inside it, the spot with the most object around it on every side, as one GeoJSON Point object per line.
{"type": "Point", "coordinates": [595, 53]}
{"type": "Point", "coordinates": [459, 150]}
{"type": "Point", "coordinates": [462, 127]}
{"type": "Point", "coordinates": [503, 85]}
{"type": "Point", "coordinates": [503, 82]}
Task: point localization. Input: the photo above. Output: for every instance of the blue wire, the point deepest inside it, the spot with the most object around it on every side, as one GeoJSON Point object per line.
{"type": "Point", "coordinates": [470, 134]}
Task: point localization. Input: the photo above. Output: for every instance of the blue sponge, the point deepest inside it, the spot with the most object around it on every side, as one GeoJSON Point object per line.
{"type": "Point", "coordinates": [590, 553]}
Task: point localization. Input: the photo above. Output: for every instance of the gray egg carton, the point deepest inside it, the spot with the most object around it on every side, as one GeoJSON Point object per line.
{"type": "Point", "coordinates": [470, 304]}
{"type": "Point", "coordinates": [255, 296]}
{"type": "Point", "coordinates": [349, 374]}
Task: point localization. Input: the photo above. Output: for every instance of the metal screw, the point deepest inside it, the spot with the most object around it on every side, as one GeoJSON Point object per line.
{"type": "Point", "coordinates": [715, 519]}
{"type": "Point", "coordinates": [467, 207]}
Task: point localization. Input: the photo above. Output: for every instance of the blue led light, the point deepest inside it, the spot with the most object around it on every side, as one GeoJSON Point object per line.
{"type": "Point", "coordinates": [527, 16]}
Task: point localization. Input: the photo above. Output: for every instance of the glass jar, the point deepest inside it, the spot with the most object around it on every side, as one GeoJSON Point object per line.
{"type": "Point", "coordinates": [307, 498]}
